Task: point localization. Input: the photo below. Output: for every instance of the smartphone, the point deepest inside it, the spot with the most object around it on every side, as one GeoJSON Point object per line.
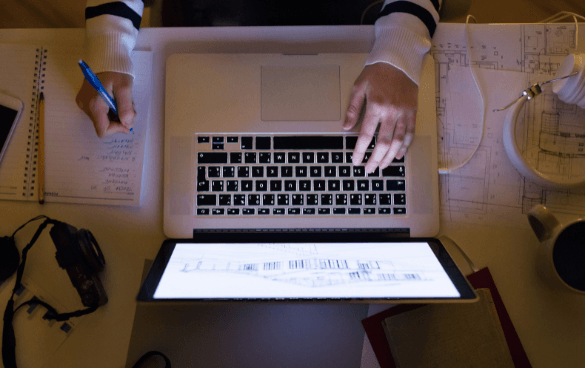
{"type": "Point", "coordinates": [10, 110]}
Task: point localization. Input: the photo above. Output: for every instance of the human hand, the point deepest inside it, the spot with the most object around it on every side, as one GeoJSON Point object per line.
{"type": "Point", "coordinates": [390, 98]}
{"type": "Point", "coordinates": [118, 85]}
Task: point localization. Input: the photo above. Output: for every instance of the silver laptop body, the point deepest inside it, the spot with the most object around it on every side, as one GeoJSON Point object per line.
{"type": "Point", "coordinates": [238, 95]}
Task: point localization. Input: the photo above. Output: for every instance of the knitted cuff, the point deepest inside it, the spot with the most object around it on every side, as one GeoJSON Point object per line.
{"type": "Point", "coordinates": [110, 52]}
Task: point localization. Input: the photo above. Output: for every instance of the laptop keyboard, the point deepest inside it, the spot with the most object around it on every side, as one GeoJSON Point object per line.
{"type": "Point", "coordinates": [272, 174]}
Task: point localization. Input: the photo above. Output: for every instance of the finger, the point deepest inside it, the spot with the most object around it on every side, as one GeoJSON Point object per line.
{"type": "Point", "coordinates": [125, 105]}
{"type": "Point", "coordinates": [369, 125]}
{"type": "Point", "coordinates": [382, 144]}
{"type": "Point", "coordinates": [97, 110]}
{"type": "Point", "coordinates": [356, 102]}
{"type": "Point", "coordinates": [116, 128]}
{"type": "Point", "coordinates": [409, 136]}
{"type": "Point", "coordinates": [397, 141]}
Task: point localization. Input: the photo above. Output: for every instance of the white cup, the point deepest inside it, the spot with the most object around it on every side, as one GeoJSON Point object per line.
{"type": "Point", "coordinates": [561, 254]}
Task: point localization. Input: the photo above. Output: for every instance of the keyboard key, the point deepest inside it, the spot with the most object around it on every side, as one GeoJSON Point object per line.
{"type": "Point", "coordinates": [337, 157]}
{"type": "Point", "coordinates": [312, 199]}
{"type": "Point", "coordinates": [377, 185]}
{"type": "Point", "coordinates": [212, 158]}
{"type": "Point", "coordinates": [400, 199]}
{"type": "Point", "coordinates": [250, 157]}
{"type": "Point", "coordinates": [235, 157]}
{"type": "Point", "coordinates": [213, 172]}
{"type": "Point", "coordinates": [334, 185]}
{"type": "Point", "coordinates": [308, 157]}
{"type": "Point", "coordinates": [384, 210]}
{"type": "Point", "coordinates": [290, 185]}
{"type": "Point", "coordinates": [315, 171]}
{"type": "Point", "coordinates": [348, 185]}
{"type": "Point", "coordinates": [247, 186]}
{"type": "Point", "coordinates": [246, 143]}
{"type": "Point", "coordinates": [257, 171]}
{"type": "Point", "coordinates": [348, 157]}
{"type": "Point", "coordinates": [278, 211]}
{"type": "Point", "coordinates": [282, 199]}
{"type": "Point", "coordinates": [248, 211]}
{"type": "Point", "coordinates": [272, 171]}
{"type": "Point", "coordinates": [275, 185]}
{"type": "Point", "coordinates": [229, 172]}
{"type": "Point", "coordinates": [399, 211]}
{"type": "Point", "coordinates": [263, 211]}
{"type": "Point", "coordinates": [279, 158]}
{"type": "Point", "coordinates": [261, 185]}
{"type": "Point", "coordinates": [344, 171]}
{"type": "Point", "coordinates": [340, 199]}
{"type": "Point", "coordinates": [354, 211]}
{"type": "Point", "coordinates": [217, 146]}
{"type": "Point", "coordinates": [262, 143]}
{"type": "Point", "coordinates": [286, 171]}
{"type": "Point", "coordinates": [232, 185]}
{"type": "Point", "coordinates": [297, 200]}
{"type": "Point", "coordinates": [396, 160]}
{"type": "Point", "coordinates": [324, 211]}
{"type": "Point", "coordinates": [355, 199]}
{"type": "Point", "coordinates": [203, 186]}
{"type": "Point", "coordinates": [206, 200]}
{"type": "Point", "coordinates": [218, 211]}
{"type": "Point", "coordinates": [370, 211]}
{"type": "Point", "coordinates": [330, 171]}
{"type": "Point", "coordinates": [253, 199]}
{"type": "Point", "coordinates": [203, 211]}
{"type": "Point", "coordinates": [225, 199]}
{"type": "Point", "coordinates": [308, 211]}
{"type": "Point", "coordinates": [393, 171]}
{"type": "Point", "coordinates": [243, 171]}
{"type": "Point", "coordinates": [294, 157]}
{"type": "Point", "coordinates": [264, 157]}
{"type": "Point", "coordinates": [307, 142]}
{"type": "Point", "coordinates": [268, 199]}
{"type": "Point", "coordinates": [372, 143]}
{"type": "Point", "coordinates": [375, 174]}
{"type": "Point", "coordinates": [339, 211]}
{"type": "Point", "coordinates": [319, 185]}
{"type": "Point", "coordinates": [201, 173]}
{"type": "Point", "coordinates": [350, 142]}
{"type": "Point", "coordinates": [323, 157]}
{"type": "Point", "coordinates": [301, 171]}
{"type": "Point", "coordinates": [232, 139]}
{"type": "Point", "coordinates": [304, 185]}
{"type": "Point", "coordinates": [294, 211]}
{"type": "Point", "coordinates": [363, 185]}
{"type": "Point", "coordinates": [326, 199]}
{"type": "Point", "coordinates": [217, 186]}
{"type": "Point", "coordinates": [239, 199]}
{"type": "Point", "coordinates": [217, 140]}
{"type": "Point", "coordinates": [385, 199]}
{"type": "Point", "coordinates": [370, 199]}
{"type": "Point", "coordinates": [233, 211]}
{"type": "Point", "coordinates": [359, 171]}
{"type": "Point", "coordinates": [397, 185]}
{"type": "Point", "coordinates": [202, 139]}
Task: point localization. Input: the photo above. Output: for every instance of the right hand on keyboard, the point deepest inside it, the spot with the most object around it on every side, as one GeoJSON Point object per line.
{"type": "Point", "coordinates": [391, 100]}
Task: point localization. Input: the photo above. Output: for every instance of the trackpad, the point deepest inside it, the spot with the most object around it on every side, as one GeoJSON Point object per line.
{"type": "Point", "coordinates": [301, 93]}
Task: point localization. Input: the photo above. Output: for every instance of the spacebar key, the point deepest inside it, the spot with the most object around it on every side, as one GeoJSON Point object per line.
{"type": "Point", "coordinates": [212, 158]}
{"type": "Point", "coordinates": [308, 142]}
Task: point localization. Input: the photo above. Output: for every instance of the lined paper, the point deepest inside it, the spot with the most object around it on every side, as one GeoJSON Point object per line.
{"type": "Point", "coordinates": [80, 167]}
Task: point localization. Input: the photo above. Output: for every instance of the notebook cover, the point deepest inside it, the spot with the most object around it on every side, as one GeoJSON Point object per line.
{"type": "Point", "coordinates": [481, 279]}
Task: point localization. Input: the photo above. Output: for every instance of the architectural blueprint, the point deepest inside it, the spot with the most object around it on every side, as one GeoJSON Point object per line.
{"type": "Point", "coordinates": [295, 270]}
{"type": "Point", "coordinates": [551, 134]}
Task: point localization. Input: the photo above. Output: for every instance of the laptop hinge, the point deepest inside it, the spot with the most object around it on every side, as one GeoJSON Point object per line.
{"type": "Point", "coordinates": [397, 232]}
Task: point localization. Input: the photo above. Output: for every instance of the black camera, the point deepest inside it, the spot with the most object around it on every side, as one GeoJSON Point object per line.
{"type": "Point", "coordinates": [80, 255]}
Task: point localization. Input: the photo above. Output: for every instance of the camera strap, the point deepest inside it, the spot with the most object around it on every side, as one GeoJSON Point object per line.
{"type": "Point", "coordinates": [8, 337]}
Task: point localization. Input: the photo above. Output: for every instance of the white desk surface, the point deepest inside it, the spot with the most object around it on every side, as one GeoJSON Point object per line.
{"type": "Point", "coordinates": [550, 323]}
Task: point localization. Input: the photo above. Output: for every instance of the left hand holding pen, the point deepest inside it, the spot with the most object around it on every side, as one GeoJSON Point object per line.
{"type": "Point", "coordinates": [391, 101]}
{"type": "Point", "coordinates": [118, 85]}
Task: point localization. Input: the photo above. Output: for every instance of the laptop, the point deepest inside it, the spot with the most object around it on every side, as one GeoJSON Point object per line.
{"type": "Point", "coordinates": [254, 141]}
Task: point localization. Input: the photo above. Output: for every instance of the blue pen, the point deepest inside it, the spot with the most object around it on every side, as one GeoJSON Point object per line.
{"type": "Point", "coordinates": [97, 85]}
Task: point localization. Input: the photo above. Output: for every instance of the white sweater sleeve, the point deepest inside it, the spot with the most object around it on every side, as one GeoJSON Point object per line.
{"type": "Point", "coordinates": [403, 34]}
{"type": "Point", "coordinates": [110, 34]}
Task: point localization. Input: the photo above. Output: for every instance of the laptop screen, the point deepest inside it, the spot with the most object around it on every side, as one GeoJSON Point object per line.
{"type": "Point", "coordinates": [299, 270]}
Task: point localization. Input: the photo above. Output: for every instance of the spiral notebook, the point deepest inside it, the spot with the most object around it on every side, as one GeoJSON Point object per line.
{"type": "Point", "coordinates": [79, 166]}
